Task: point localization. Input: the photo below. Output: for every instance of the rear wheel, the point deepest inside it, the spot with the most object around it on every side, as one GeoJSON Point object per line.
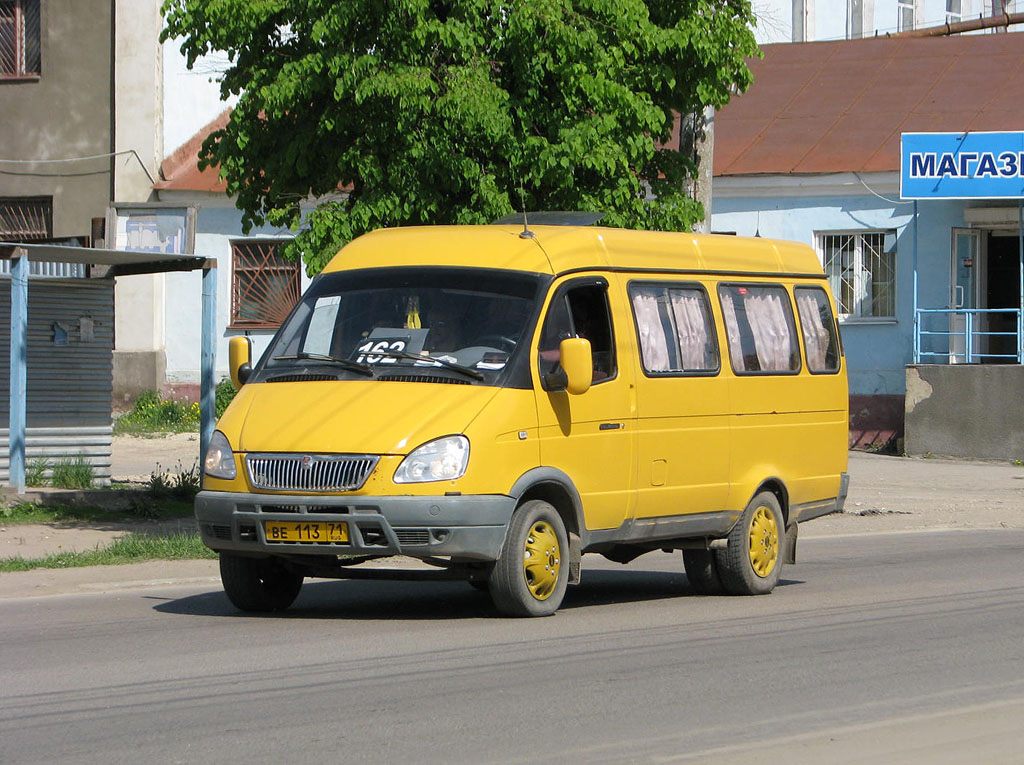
{"type": "Point", "coordinates": [751, 562]}
{"type": "Point", "coordinates": [532, 572]}
{"type": "Point", "coordinates": [258, 584]}
{"type": "Point", "coordinates": [702, 572]}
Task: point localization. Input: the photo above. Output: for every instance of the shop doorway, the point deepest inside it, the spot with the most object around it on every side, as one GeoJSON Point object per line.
{"type": "Point", "coordinates": [1001, 289]}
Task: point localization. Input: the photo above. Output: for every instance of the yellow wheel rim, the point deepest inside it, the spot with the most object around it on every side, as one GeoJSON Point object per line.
{"type": "Point", "coordinates": [542, 560]}
{"type": "Point", "coordinates": [764, 542]}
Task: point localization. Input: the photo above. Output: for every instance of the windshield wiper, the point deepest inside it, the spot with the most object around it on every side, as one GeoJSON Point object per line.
{"type": "Point", "coordinates": [352, 366]}
{"type": "Point", "coordinates": [416, 357]}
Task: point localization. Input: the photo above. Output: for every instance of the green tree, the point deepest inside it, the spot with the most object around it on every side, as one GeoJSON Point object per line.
{"type": "Point", "coordinates": [460, 112]}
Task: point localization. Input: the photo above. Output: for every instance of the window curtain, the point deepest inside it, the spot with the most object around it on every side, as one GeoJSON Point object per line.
{"type": "Point", "coordinates": [816, 336]}
{"type": "Point", "coordinates": [653, 344]}
{"type": "Point", "coordinates": [732, 331]}
{"type": "Point", "coordinates": [692, 329]}
{"type": "Point", "coordinates": [773, 342]}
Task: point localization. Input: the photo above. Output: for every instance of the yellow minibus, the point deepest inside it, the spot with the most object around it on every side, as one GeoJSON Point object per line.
{"type": "Point", "coordinates": [496, 401]}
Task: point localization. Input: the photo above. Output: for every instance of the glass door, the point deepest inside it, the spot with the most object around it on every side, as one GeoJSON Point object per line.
{"type": "Point", "coordinates": [965, 251]}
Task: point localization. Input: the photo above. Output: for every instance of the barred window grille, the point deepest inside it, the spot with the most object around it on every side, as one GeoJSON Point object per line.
{"type": "Point", "coordinates": [861, 273]}
{"type": "Point", "coordinates": [25, 219]}
{"type": "Point", "coordinates": [264, 286]}
{"type": "Point", "coordinates": [20, 48]}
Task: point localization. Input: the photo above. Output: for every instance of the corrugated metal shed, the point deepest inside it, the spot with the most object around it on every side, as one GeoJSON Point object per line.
{"type": "Point", "coordinates": [829, 107]}
{"type": "Point", "coordinates": [65, 350]}
{"type": "Point", "coordinates": [70, 342]}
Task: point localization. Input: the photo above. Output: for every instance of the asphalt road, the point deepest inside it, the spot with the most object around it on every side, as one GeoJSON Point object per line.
{"type": "Point", "coordinates": [881, 647]}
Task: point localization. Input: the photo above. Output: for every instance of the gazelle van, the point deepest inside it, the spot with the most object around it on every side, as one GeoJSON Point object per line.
{"type": "Point", "coordinates": [497, 401]}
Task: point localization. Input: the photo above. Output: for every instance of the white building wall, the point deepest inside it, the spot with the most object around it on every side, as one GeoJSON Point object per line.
{"type": "Point", "coordinates": [217, 224]}
{"type": "Point", "coordinates": [191, 97]}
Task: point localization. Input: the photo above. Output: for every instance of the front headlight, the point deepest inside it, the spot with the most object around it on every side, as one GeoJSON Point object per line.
{"type": "Point", "coordinates": [442, 460]}
{"type": "Point", "coordinates": [220, 460]}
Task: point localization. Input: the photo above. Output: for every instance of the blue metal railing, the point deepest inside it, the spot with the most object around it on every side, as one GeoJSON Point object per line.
{"type": "Point", "coordinates": [965, 342]}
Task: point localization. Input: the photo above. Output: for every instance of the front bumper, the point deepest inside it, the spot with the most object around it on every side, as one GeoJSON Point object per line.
{"type": "Point", "coordinates": [464, 527]}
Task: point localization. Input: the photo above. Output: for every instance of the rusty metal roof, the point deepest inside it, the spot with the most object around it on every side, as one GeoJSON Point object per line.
{"type": "Point", "coordinates": [829, 107]}
{"type": "Point", "coordinates": [181, 169]}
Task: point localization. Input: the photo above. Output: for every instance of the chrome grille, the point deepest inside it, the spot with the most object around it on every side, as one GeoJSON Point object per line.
{"type": "Point", "coordinates": [309, 472]}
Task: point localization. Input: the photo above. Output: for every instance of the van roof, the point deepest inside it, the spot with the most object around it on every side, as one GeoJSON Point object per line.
{"type": "Point", "coordinates": [560, 249]}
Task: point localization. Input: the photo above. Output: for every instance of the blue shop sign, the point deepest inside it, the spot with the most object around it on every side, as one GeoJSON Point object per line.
{"type": "Point", "coordinates": [962, 165]}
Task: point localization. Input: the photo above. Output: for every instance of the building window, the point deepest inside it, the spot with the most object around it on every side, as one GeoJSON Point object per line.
{"type": "Point", "coordinates": [954, 11]}
{"type": "Point", "coordinates": [905, 15]}
{"type": "Point", "coordinates": [264, 286]}
{"type": "Point", "coordinates": [861, 272]}
{"type": "Point", "coordinates": [19, 38]}
{"type": "Point", "coordinates": [26, 219]}
{"type": "Point", "coordinates": [854, 19]}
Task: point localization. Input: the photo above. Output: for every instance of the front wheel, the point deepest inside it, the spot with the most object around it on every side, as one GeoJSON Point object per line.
{"type": "Point", "coordinates": [751, 562]}
{"type": "Point", "coordinates": [532, 572]}
{"type": "Point", "coordinates": [258, 584]}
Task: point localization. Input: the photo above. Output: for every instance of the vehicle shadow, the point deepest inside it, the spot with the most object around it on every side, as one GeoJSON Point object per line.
{"type": "Point", "coordinates": [415, 600]}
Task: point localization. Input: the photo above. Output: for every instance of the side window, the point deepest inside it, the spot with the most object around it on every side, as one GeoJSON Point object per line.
{"type": "Point", "coordinates": [579, 312]}
{"type": "Point", "coordinates": [818, 328]}
{"type": "Point", "coordinates": [760, 328]}
{"type": "Point", "coordinates": [675, 329]}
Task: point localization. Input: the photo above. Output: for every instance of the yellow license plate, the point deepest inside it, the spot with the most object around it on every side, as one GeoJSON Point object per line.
{"type": "Point", "coordinates": [313, 531]}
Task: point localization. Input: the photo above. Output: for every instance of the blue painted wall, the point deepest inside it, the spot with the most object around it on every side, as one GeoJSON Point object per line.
{"type": "Point", "coordinates": [877, 350]}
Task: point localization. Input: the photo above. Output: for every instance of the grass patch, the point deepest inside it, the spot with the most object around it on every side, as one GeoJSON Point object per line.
{"type": "Point", "coordinates": [74, 473]}
{"type": "Point", "coordinates": [152, 413]}
{"type": "Point", "coordinates": [167, 508]}
{"type": "Point", "coordinates": [131, 548]}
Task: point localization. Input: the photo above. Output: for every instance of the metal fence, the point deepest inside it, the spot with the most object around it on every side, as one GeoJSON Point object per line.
{"type": "Point", "coordinates": [968, 335]}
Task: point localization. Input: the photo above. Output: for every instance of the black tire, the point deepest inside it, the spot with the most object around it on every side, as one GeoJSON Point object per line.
{"type": "Point", "coordinates": [258, 584]}
{"type": "Point", "coordinates": [520, 587]}
{"type": "Point", "coordinates": [702, 572]}
{"type": "Point", "coordinates": [751, 562]}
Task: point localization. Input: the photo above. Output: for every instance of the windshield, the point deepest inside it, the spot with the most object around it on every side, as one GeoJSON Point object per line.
{"type": "Point", "coordinates": [415, 324]}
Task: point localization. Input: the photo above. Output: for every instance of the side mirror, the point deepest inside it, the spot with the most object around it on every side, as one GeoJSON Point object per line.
{"type": "Point", "coordinates": [577, 361]}
{"type": "Point", "coordinates": [240, 360]}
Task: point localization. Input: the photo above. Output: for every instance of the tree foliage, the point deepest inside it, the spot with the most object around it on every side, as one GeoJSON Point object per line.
{"type": "Point", "coordinates": [402, 112]}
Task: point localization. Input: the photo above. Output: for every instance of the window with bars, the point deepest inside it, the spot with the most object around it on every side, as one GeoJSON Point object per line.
{"type": "Point", "coordinates": [861, 272]}
{"type": "Point", "coordinates": [24, 219]}
{"type": "Point", "coordinates": [264, 286]}
{"type": "Point", "coordinates": [20, 47]}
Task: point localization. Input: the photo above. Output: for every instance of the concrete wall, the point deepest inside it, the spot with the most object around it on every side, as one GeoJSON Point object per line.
{"type": "Point", "coordinates": [965, 411]}
{"type": "Point", "coordinates": [138, 98]}
{"type": "Point", "coordinates": [63, 115]}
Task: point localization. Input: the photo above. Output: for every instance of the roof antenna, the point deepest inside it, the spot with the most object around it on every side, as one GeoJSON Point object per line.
{"type": "Point", "coordinates": [525, 233]}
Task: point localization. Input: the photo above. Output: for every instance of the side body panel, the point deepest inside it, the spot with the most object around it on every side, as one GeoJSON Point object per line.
{"type": "Point", "coordinates": [682, 431]}
{"type": "Point", "coordinates": [788, 427]}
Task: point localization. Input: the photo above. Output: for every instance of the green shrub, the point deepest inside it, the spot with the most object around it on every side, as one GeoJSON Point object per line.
{"type": "Point", "coordinates": [74, 473]}
{"type": "Point", "coordinates": [226, 391]}
{"type": "Point", "coordinates": [182, 484]}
